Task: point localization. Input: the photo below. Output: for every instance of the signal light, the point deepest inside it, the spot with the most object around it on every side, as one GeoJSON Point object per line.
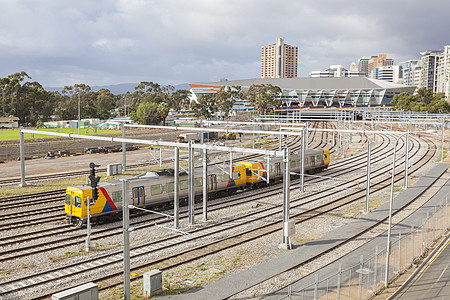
{"type": "Point", "coordinates": [95, 193]}
{"type": "Point", "coordinates": [94, 180]}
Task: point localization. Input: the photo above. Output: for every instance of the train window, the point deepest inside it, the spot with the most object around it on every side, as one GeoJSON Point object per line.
{"type": "Point", "coordinates": [170, 187]}
{"type": "Point", "coordinates": [68, 199]}
{"type": "Point", "coordinates": [156, 189]}
{"type": "Point", "coordinates": [324, 156]}
{"type": "Point", "coordinates": [293, 162]}
{"type": "Point", "coordinates": [183, 185]}
{"type": "Point", "coordinates": [248, 172]}
{"type": "Point", "coordinates": [77, 202]}
{"type": "Point", "coordinates": [117, 196]}
{"type": "Point", "coordinates": [236, 175]}
{"type": "Point", "coordinates": [319, 157]}
{"type": "Point", "coordinates": [198, 181]}
{"type": "Point", "coordinates": [225, 178]}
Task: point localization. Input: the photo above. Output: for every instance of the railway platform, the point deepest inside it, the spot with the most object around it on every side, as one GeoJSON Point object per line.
{"type": "Point", "coordinates": [236, 283]}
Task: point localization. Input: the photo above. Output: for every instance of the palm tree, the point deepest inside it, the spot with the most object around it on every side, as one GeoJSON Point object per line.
{"type": "Point", "coordinates": [163, 110]}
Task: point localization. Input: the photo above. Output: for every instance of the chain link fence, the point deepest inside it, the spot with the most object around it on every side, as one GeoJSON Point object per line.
{"type": "Point", "coordinates": [363, 280]}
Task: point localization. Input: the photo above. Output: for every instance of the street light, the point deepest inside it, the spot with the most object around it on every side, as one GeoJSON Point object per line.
{"type": "Point", "coordinates": [388, 246]}
{"type": "Point", "coordinates": [79, 113]}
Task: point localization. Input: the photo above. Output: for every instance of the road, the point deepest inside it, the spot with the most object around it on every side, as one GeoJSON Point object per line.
{"type": "Point", "coordinates": [433, 282]}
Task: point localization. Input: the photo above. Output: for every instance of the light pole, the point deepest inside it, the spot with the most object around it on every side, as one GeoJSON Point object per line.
{"type": "Point", "coordinates": [79, 113]}
{"type": "Point", "coordinates": [3, 101]}
{"type": "Point", "coordinates": [126, 240]}
{"type": "Point", "coordinates": [388, 245]}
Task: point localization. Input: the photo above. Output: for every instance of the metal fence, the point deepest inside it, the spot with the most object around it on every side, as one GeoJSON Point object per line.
{"type": "Point", "coordinates": [363, 280]}
{"type": "Point", "coordinates": [40, 149]}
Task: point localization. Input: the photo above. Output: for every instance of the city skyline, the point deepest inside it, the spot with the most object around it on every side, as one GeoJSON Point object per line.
{"type": "Point", "coordinates": [172, 42]}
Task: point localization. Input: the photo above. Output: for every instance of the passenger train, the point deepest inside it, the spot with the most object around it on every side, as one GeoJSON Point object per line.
{"type": "Point", "coordinates": [157, 188]}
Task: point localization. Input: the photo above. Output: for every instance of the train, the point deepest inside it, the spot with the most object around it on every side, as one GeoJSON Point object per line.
{"type": "Point", "coordinates": [157, 188]}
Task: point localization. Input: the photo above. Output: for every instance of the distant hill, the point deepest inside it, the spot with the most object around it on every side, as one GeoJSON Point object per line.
{"type": "Point", "coordinates": [118, 89]}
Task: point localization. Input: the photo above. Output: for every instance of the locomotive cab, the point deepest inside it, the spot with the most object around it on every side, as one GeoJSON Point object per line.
{"type": "Point", "coordinates": [74, 205]}
{"type": "Point", "coordinates": [256, 172]}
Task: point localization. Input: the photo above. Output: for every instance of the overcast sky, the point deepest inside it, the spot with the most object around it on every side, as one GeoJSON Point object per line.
{"type": "Point", "coordinates": [101, 42]}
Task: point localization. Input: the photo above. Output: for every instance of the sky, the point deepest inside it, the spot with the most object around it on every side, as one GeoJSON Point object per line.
{"type": "Point", "coordinates": [106, 42]}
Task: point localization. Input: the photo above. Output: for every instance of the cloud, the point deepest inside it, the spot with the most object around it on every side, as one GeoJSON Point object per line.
{"type": "Point", "coordinates": [173, 41]}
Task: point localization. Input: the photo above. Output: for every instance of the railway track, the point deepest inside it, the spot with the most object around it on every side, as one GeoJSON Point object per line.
{"type": "Point", "coordinates": [97, 234]}
{"type": "Point", "coordinates": [46, 177]}
{"type": "Point", "coordinates": [216, 225]}
{"type": "Point", "coordinates": [39, 216]}
{"type": "Point", "coordinates": [58, 196]}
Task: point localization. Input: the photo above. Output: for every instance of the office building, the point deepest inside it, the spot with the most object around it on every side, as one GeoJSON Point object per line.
{"type": "Point", "coordinates": [363, 65]}
{"type": "Point", "coordinates": [367, 63]}
{"type": "Point", "coordinates": [336, 71]}
{"type": "Point", "coordinates": [387, 73]}
{"type": "Point", "coordinates": [354, 67]}
{"type": "Point", "coordinates": [379, 61]}
{"type": "Point", "coordinates": [279, 60]}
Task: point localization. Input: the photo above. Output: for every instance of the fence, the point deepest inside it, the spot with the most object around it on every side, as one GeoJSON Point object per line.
{"type": "Point", "coordinates": [363, 280]}
{"type": "Point", "coordinates": [35, 149]}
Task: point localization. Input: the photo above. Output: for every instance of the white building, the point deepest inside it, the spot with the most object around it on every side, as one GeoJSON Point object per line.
{"type": "Point", "coordinates": [9, 122]}
{"type": "Point", "coordinates": [411, 72]}
{"type": "Point", "coordinates": [429, 72]}
{"type": "Point", "coordinates": [335, 71]}
{"type": "Point", "coordinates": [443, 84]}
{"type": "Point", "coordinates": [387, 73]}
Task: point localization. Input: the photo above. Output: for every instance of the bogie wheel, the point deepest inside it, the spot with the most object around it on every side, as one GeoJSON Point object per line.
{"type": "Point", "coordinates": [79, 223]}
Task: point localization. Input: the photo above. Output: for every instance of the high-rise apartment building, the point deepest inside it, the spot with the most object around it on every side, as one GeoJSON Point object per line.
{"type": "Point", "coordinates": [411, 72]}
{"type": "Point", "coordinates": [443, 84]}
{"type": "Point", "coordinates": [429, 72]}
{"type": "Point", "coordinates": [279, 60]}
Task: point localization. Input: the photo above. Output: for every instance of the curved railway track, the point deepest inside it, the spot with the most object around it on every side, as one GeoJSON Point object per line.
{"type": "Point", "coordinates": [257, 215]}
{"type": "Point", "coordinates": [35, 178]}
{"type": "Point", "coordinates": [102, 233]}
{"type": "Point", "coordinates": [46, 198]}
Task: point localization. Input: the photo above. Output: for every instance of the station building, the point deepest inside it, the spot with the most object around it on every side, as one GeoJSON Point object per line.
{"type": "Point", "coordinates": [317, 92]}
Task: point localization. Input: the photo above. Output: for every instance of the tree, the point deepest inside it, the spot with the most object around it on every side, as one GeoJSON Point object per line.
{"type": "Point", "coordinates": [79, 92]}
{"type": "Point", "coordinates": [424, 100]}
{"type": "Point", "coordinates": [146, 114]}
{"type": "Point", "coordinates": [3, 86]}
{"type": "Point", "coordinates": [15, 91]}
{"type": "Point", "coordinates": [204, 107]}
{"type": "Point", "coordinates": [163, 110]}
{"type": "Point", "coordinates": [263, 97]}
{"type": "Point", "coordinates": [180, 99]}
{"type": "Point", "coordinates": [226, 97]}
{"type": "Point", "coordinates": [104, 103]}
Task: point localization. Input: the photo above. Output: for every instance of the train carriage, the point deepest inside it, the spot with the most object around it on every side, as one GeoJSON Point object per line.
{"type": "Point", "coordinates": [147, 189]}
{"type": "Point", "coordinates": [156, 188]}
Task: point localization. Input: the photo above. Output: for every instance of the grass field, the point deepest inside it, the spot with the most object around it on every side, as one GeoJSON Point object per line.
{"type": "Point", "coordinates": [13, 134]}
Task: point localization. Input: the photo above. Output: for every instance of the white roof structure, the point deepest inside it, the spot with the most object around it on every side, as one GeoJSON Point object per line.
{"type": "Point", "coordinates": [315, 92]}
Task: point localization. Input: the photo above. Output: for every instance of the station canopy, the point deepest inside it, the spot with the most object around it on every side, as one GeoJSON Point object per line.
{"type": "Point", "coordinates": [319, 92]}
